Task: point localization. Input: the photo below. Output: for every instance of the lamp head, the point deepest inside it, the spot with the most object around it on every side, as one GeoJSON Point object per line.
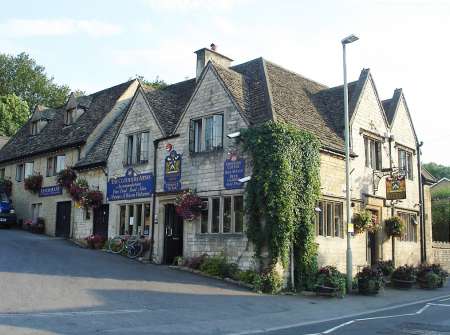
{"type": "Point", "coordinates": [350, 39]}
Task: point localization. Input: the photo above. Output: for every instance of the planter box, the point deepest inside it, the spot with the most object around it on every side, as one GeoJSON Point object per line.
{"type": "Point", "coordinates": [403, 284]}
{"type": "Point", "coordinates": [328, 291]}
{"type": "Point", "coordinates": [368, 287]}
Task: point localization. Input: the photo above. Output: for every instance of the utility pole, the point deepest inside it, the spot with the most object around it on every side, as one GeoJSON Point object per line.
{"type": "Point", "coordinates": [392, 201]}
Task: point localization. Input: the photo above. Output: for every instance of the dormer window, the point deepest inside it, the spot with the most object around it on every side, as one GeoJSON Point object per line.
{"type": "Point", "coordinates": [70, 116]}
{"type": "Point", "coordinates": [34, 128]}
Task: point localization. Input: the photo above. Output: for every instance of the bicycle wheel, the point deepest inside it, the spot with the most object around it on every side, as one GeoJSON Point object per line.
{"type": "Point", "coordinates": [116, 245]}
{"type": "Point", "coordinates": [135, 250]}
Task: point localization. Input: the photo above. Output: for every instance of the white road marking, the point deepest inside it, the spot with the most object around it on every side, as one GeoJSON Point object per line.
{"type": "Point", "coordinates": [444, 299]}
{"type": "Point", "coordinates": [308, 323]}
{"type": "Point", "coordinates": [74, 313]}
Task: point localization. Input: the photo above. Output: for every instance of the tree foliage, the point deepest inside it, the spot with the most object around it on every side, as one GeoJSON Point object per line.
{"type": "Point", "coordinates": [20, 75]}
{"type": "Point", "coordinates": [437, 170]}
{"type": "Point", "coordinates": [441, 220]}
{"type": "Point", "coordinates": [156, 83]}
{"type": "Point", "coordinates": [282, 195]}
{"type": "Point", "coordinates": [14, 112]}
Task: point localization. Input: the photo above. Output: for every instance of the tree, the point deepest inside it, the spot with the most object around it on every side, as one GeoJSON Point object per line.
{"type": "Point", "coordinates": [156, 83]}
{"type": "Point", "coordinates": [20, 75]}
{"type": "Point", "coordinates": [14, 112]}
{"type": "Point", "coordinates": [437, 170]}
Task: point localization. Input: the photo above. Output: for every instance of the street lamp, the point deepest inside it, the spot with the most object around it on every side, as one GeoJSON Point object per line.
{"type": "Point", "coordinates": [345, 41]}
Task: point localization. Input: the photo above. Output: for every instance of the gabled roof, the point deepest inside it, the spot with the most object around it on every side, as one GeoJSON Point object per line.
{"type": "Point", "coordinates": [56, 135]}
{"type": "Point", "coordinates": [168, 103]}
{"type": "Point", "coordinates": [440, 181]}
{"type": "Point", "coordinates": [3, 140]}
{"type": "Point", "coordinates": [390, 105]}
{"type": "Point", "coordinates": [427, 176]}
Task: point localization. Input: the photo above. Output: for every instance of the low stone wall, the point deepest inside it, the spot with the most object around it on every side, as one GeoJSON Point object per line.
{"type": "Point", "coordinates": [441, 254]}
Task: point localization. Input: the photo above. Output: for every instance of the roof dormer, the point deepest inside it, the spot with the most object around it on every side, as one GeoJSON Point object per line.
{"type": "Point", "coordinates": [73, 110]}
{"type": "Point", "coordinates": [39, 119]}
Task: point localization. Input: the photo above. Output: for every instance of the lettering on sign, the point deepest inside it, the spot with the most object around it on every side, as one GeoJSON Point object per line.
{"type": "Point", "coordinates": [49, 191]}
{"type": "Point", "coordinates": [172, 171]}
{"type": "Point", "coordinates": [233, 170]}
{"type": "Point", "coordinates": [130, 186]}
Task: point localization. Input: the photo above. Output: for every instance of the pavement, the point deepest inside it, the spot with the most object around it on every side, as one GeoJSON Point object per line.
{"type": "Point", "coordinates": [51, 286]}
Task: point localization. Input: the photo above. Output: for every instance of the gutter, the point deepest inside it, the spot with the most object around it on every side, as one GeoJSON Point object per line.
{"type": "Point", "coordinates": [155, 159]}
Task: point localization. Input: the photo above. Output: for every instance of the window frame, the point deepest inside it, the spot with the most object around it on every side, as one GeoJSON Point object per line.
{"type": "Point", "coordinates": [2, 173]}
{"type": "Point", "coordinates": [321, 221]}
{"type": "Point", "coordinates": [20, 172]}
{"type": "Point", "coordinates": [233, 215]}
{"type": "Point", "coordinates": [410, 234]}
{"type": "Point", "coordinates": [407, 159]}
{"type": "Point", "coordinates": [34, 128]}
{"type": "Point", "coordinates": [137, 148]}
{"type": "Point", "coordinates": [199, 139]}
{"type": "Point", "coordinates": [373, 152]}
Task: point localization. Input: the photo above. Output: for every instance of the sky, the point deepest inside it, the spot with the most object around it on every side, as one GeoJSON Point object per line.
{"type": "Point", "coordinates": [92, 45]}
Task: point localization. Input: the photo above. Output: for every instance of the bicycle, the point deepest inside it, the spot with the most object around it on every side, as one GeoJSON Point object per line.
{"type": "Point", "coordinates": [131, 244]}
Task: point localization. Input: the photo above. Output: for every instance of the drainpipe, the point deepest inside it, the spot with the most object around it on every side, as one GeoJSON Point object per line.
{"type": "Point", "coordinates": [155, 160]}
{"type": "Point", "coordinates": [392, 201]}
{"type": "Point", "coordinates": [423, 240]}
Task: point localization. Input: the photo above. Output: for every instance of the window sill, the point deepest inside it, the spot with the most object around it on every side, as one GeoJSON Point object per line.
{"type": "Point", "coordinates": [135, 164]}
{"type": "Point", "coordinates": [205, 153]}
{"type": "Point", "coordinates": [219, 235]}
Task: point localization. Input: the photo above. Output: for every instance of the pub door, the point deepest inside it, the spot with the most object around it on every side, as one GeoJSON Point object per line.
{"type": "Point", "coordinates": [101, 215]}
{"type": "Point", "coordinates": [173, 234]}
{"type": "Point", "coordinates": [63, 210]}
{"type": "Point", "coordinates": [372, 256]}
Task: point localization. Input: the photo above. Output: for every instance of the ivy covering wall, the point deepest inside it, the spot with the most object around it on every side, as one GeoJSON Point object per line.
{"type": "Point", "coordinates": [282, 196]}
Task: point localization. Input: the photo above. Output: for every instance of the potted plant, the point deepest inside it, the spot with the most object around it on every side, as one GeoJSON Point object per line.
{"type": "Point", "coordinates": [363, 221]}
{"type": "Point", "coordinates": [370, 280]}
{"type": "Point", "coordinates": [6, 186]}
{"type": "Point", "coordinates": [394, 226]}
{"type": "Point", "coordinates": [330, 281]}
{"type": "Point", "coordinates": [188, 205]}
{"type": "Point", "coordinates": [38, 226]}
{"type": "Point", "coordinates": [33, 183]}
{"type": "Point", "coordinates": [386, 268]}
{"type": "Point", "coordinates": [404, 277]}
{"type": "Point", "coordinates": [95, 241]}
{"type": "Point", "coordinates": [66, 178]}
{"type": "Point", "coordinates": [431, 276]}
{"type": "Point", "coordinates": [93, 199]}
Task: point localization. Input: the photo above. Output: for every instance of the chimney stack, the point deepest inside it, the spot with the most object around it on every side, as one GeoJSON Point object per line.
{"type": "Point", "coordinates": [205, 55]}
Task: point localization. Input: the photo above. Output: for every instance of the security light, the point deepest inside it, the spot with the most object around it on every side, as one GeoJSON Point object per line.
{"type": "Point", "coordinates": [245, 179]}
{"type": "Point", "coordinates": [350, 39]}
{"type": "Point", "coordinates": [234, 135]}
{"type": "Point", "coordinates": [317, 209]}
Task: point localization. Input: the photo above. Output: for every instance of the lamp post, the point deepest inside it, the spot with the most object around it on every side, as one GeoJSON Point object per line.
{"type": "Point", "coordinates": [345, 41]}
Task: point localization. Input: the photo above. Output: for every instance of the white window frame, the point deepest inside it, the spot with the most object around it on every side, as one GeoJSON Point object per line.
{"type": "Point", "coordinates": [140, 148]}
{"type": "Point", "coordinates": [198, 128]}
{"type": "Point", "coordinates": [323, 205]}
{"type": "Point", "coordinates": [36, 211]}
{"type": "Point", "coordinates": [20, 172]}
{"type": "Point", "coordinates": [373, 157]}
{"type": "Point", "coordinates": [405, 163]}
{"type": "Point", "coordinates": [28, 169]}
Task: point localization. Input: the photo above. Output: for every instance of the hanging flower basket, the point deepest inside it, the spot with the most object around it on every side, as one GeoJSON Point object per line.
{"type": "Point", "coordinates": [365, 221]}
{"type": "Point", "coordinates": [93, 199]}
{"type": "Point", "coordinates": [188, 205]}
{"type": "Point", "coordinates": [6, 186]}
{"type": "Point", "coordinates": [394, 226]}
{"type": "Point", "coordinates": [66, 178]}
{"type": "Point", "coordinates": [78, 190]}
{"type": "Point", "coordinates": [33, 183]}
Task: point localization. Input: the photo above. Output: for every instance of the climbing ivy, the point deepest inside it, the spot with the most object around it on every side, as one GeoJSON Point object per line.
{"type": "Point", "coordinates": [282, 195]}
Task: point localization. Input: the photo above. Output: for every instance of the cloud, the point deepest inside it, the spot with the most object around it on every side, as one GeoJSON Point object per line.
{"type": "Point", "coordinates": [57, 27]}
{"type": "Point", "coordinates": [192, 4]}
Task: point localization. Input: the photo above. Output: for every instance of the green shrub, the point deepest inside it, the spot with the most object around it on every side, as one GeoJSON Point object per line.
{"type": "Point", "coordinates": [248, 276]}
{"type": "Point", "coordinates": [329, 276]}
{"type": "Point", "coordinates": [271, 282]}
{"type": "Point", "coordinates": [214, 266]}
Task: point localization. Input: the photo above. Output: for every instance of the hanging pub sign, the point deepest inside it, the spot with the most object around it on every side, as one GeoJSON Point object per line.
{"type": "Point", "coordinates": [50, 191]}
{"type": "Point", "coordinates": [172, 170]}
{"type": "Point", "coordinates": [233, 170]}
{"type": "Point", "coordinates": [130, 186]}
{"type": "Point", "coordinates": [395, 187]}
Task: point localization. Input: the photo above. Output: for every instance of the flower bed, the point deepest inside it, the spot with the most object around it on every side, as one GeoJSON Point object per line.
{"type": "Point", "coordinates": [404, 277]}
{"type": "Point", "coordinates": [431, 276]}
{"type": "Point", "coordinates": [370, 280]}
{"type": "Point", "coordinates": [330, 282]}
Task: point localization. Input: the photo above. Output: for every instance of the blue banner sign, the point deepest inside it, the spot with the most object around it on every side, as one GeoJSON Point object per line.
{"type": "Point", "coordinates": [131, 186]}
{"type": "Point", "coordinates": [233, 170]}
{"type": "Point", "coordinates": [172, 172]}
{"type": "Point", "coordinates": [49, 191]}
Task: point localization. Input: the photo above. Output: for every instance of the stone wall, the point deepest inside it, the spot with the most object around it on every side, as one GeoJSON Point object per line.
{"type": "Point", "coordinates": [441, 254]}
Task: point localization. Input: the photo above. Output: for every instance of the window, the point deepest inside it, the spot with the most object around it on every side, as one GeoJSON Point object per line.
{"type": "Point", "coordinates": [35, 211]}
{"type": "Point", "coordinates": [29, 169]}
{"type": "Point", "coordinates": [329, 221]}
{"type": "Point", "coordinates": [405, 164]}
{"type": "Point", "coordinates": [372, 150]}
{"type": "Point", "coordinates": [34, 128]}
{"type": "Point", "coordinates": [55, 164]}
{"type": "Point", "coordinates": [19, 172]}
{"type": "Point", "coordinates": [410, 221]}
{"type": "Point", "coordinates": [134, 219]}
{"type": "Point", "coordinates": [226, 215]}
{"type": "Point", "coordinates": [2, 173]}
{"type": "Point", "coordinates": [206, 134]}
{"type": "Point", "coordinates": [137, 148]}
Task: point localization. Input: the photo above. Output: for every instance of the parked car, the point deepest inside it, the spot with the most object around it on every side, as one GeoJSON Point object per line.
{"type": "Point", "coordinates": [8, 216]}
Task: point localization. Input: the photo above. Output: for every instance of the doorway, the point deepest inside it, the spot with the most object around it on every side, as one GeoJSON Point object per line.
{"type": "Point", "coordinates": [63, 211]}
{"type": "Point", "coordinates": [101, 216]}
{"type": "Point", "coordinates": [173, 234]}
{"type": "Point", "coordinates": [372, 241]}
